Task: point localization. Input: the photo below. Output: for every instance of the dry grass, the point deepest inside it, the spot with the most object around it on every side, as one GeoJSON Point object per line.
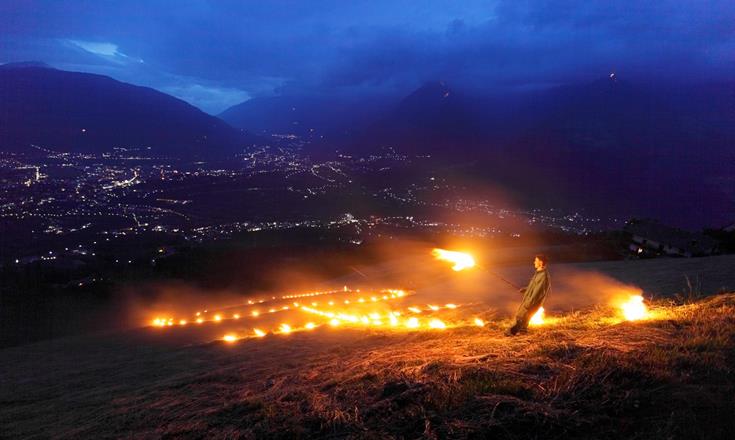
{"type": "Point", "coordinates": [582, 377]}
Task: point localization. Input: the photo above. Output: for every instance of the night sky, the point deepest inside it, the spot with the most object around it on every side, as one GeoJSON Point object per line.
{"type": "Point", "coordinates": [214, 54]}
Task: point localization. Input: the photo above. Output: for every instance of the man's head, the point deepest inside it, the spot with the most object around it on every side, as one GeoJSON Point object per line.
{"type": "Point", "coordinates": [539, 262]}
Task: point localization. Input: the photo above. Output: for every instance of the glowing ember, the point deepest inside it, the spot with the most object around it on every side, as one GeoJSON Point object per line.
{"type": "Point", "coordinates": [259, 333]}
{"type": "Point", "coordinates": [285, 328]}
{"type": "Point", "coordinates": [435, 323]}
{"type": "Point", "coordinates": [451, 306]}
{"type": "Point", "coordinates": [479, 322]}
{"type": "Point", "coordinates": [309, 325]}
{"type": "Point", "coordinates": [634, 309]}
{"type": "Point", "coordinates": [538, 317]}
{"type": "Point", "coordinates": [229, 338]}
{"type": "Point", "coordinates": [182, 322]}
{"type": "Point", "coordinates": [255, 313]}
{"type": "Point", "coordinates": [412, 323]}
{"type": "Point", "coordinates": [414, 309]}
{"type": "Point", "coordinates": [200, 320]}
{"type": "Point", "coordinates": [236, 316]}
{"type": "Point", "coordinates": [334, 322]}
{"type": "Point", "coordinates": [217, 318]}
{"type": "Point", "coordinates": [460, 260]}
{"type": "Point", "coordinates": [433, 307]}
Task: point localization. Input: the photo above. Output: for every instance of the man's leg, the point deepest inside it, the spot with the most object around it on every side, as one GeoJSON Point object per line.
{"type": "Point", "coordinates": [521, 322]}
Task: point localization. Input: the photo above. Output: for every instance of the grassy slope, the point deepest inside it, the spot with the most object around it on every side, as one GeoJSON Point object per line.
{"type": "Point", "coordinates": [579, 378]}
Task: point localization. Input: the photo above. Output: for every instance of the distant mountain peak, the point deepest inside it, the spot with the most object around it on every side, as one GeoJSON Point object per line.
{"type": "Point", "coordinates": [25, 65]}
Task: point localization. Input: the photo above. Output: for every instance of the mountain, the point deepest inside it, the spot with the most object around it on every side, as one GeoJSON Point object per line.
{"type": "Point", "coordinates": [430, 120]}
{"type": "Point", "coordinates": [309, 116]}
{"type": "Point", "coordinates": [82, 112]}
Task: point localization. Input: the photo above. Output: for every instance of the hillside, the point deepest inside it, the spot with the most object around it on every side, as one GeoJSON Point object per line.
{"type": "Point", "coordinates": [581, 376]}
{"type": "Point", "coordinates": [81, 112]}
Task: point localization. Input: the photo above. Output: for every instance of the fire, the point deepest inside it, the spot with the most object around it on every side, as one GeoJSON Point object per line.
{"type": "Point", "coordinates": [259, 333]}
{"type": "Point", "coordinates": [285, 328]}
{"type": "Point", "coordinates": [538, 317]}
{"type": "Point", "coordinates": [334, 322]}
{"type": "Point", "coordinates": [217, 318]}
{"type": "Point", "coordinates": [634, 309]}
{"type": "Point", "coordinates": [309, 325]}
{"type": "Point", "coordinates": [229, 338]}
{"type": "Point", "coordinates": [460, 260]}
{"type": "Point", "coordinates": [412, 323]}
{"type": "Point", "coordinates": [435, 323]}
{"type": "Point", "coordinates": [479, 322]}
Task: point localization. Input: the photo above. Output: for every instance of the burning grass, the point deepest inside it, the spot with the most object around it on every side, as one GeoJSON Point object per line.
{"type": "Point", "coordinates": [583, 375]}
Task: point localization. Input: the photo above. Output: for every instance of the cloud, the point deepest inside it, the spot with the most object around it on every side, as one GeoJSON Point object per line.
{"type": "Point", "coordinates": [326, 46]}
{"type": "Point", "coordinates": [106, 50]}
{"type": "Point", "coordinates": [213, 100]}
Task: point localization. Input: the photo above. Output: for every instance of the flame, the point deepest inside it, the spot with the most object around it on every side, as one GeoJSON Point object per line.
{"type": "Point", "coordinates": [634, 309]}
{"type": "Point", "coordinates": [334, 322]}
{"type": "Point", "coordinates": [538, 317]}
{"type": "Point", "coordinates": [461, 260]}
{"type": "Point", "coordinates": [217, 318]}
{"type": "Point", "coordinates": [435, 323]}
{"type": "Point", "coordinates": [479, 322]}
{"type": "Point", "coordinates": [258, 333]}
{"type": "Point", "coordinates": [309, 325]}
{"type": "Point", "coordinates": [412, 323]}
{"type": "Point", "coordinates": [229, 338]}
{"type": "Point", "coordinates": [285, 328]}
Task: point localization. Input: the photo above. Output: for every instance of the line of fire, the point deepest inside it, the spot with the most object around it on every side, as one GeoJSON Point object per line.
{"type": "Point", "coordinates": [391, 309]}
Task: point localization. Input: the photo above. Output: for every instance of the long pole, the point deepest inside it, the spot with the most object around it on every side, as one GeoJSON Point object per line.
{"type": "Point", "coordinates": [496, 275]}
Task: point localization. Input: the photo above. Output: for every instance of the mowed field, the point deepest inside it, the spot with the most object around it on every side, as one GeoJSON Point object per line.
{"type": "Point", "coordinates": [584, 374]}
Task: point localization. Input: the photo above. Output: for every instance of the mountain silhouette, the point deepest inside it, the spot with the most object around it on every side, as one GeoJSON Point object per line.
{"type": "Point", "coordinates": [81, 112]}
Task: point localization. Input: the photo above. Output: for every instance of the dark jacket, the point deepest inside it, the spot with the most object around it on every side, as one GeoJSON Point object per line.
{"type": "Point", "coordinates": [535, 294]}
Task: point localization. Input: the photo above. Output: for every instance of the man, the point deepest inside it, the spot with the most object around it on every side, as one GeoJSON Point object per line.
{"type": "Point", "coordinates": [533, 296]}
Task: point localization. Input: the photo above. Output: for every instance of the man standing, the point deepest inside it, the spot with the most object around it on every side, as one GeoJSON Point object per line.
{"type": "Point", "coordinates": [533, 296]}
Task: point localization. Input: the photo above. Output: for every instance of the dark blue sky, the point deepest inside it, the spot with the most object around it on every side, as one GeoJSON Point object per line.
{"type": "Point", "coordinates": [218, 53]}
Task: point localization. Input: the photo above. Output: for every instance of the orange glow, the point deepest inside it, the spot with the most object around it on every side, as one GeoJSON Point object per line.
{"type": "Point", "coordinates": [200, 320]}
{"type": "Point", "coordinates": [537, 318]}
{"type": "Point", "coordinates": [255, 313]}
{"type": "Point", "coordinates": [285, 328]}
{"type": "Point", "coordinates": [412, 323]}
{"type": "Point", "coordinates": [435, 323]}
{"type": "Point", "coordinates": [229, 338]}
{"type": "Point", "coordinates": [236, 316]}
{"type": "Point", "coordinates": [634, 309]}
{"type": "Point", "coordinates": [479, 322]}
{"type": "Point", "coordinates": [182, 322]}
{"type": "Point", "coordinates": [217, 318]}
{"type": "Point", "coordinates": [460, 260]}
{"type": "Point", "coordinates": [259, 333]}
{"type": "Point", "coordinates": [334, 322]}
{"type": "Point", "coordinates": [309, 325]}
